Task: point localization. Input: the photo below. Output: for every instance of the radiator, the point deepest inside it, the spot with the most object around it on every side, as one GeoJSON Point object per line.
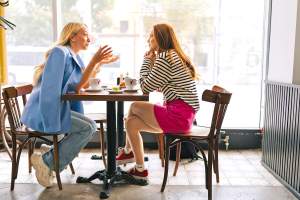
{"type": "Point", "coordinates": [281, 139]}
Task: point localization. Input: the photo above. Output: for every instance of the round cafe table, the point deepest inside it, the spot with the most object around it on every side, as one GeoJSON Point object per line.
{"type": "Point", "coordinates": [112, 174]}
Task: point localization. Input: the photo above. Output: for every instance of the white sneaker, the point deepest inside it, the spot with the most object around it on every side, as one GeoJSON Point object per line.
{"type": "Point", "coordinates": [45, 148]}
{"type": "Point", "coordinates": [42, 172]}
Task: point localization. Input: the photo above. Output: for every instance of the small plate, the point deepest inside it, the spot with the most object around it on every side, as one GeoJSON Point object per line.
{"type": "Point", "coordinates": [131, 91]}
{"type": "Point", "coordinates": [115, 92]}
{"type": "Point", "coordinates": [92, 90]}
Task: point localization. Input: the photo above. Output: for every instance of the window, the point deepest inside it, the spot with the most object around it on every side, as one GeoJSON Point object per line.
{"type": "Point", "coordinates": [28, 42]}
{"type": "Point", "coordinates": [223, 39]}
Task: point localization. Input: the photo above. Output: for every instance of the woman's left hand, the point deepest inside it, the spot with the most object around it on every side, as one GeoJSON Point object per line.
{"type": "Point", "coordinates": [150, 54]}
{"type": "Point", "coordinates": [102, 54]}
{"type": "Point", "coordinates": [110, 59]}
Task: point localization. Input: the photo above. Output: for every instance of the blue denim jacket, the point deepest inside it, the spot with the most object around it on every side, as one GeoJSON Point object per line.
{"type": "Point", "coordinates": [44, 110]}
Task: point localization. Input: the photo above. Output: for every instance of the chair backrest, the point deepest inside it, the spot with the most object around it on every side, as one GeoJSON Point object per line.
{"type": "Point", "coordinates": [221, 98]}
{"type": "Point", "coordinates": [11, 96]}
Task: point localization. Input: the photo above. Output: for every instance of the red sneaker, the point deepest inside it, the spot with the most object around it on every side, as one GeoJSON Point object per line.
{"type": "Point", "coordinates": [137, 174]}
{"type": "Point", "coordinates": [123, 158]}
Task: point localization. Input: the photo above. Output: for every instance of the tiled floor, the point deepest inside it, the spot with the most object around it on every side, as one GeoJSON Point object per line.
{"type": "Point", "coordinates": [238, 169]}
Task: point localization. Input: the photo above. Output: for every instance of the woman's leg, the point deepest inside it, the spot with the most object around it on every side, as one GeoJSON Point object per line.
{"type": "Point", "coordinates": [141, 117]}
{"type": "Point", "coordinates": [82, 130]}
{"type": "Point", "coordinates": [145, 111]}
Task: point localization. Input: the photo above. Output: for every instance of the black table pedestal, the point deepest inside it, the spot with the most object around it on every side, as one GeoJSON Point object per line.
{"type": "Point", "coordinates": [112, 174]}
{"type": "Point", "coordinates": [120, 176]}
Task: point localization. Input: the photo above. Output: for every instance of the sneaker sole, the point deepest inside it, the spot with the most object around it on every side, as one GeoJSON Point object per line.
{"type": "Point", "coordinates": [40, 176]}
{"type": "Point", "coordinates": [123, 162]}
{"type": "Point", "coordinates": [141, 178]}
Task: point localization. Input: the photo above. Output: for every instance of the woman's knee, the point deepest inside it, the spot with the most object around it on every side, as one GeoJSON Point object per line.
{"type": "Point", "coordinates": [89, 127]}
{"type": "Point", "coordinates": [135, 107]}
{"type": "Point", "coordinates": [131, 122]}
{"type": "Point", "coordinates": [93, 126]}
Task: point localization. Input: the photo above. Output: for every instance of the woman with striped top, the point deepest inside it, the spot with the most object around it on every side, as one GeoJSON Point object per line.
{"type": "Point", "coordinates": [168, 69]}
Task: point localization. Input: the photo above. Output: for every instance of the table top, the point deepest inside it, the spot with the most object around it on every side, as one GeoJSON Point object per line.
{"type": "Point", "coordinates": [106, 96]}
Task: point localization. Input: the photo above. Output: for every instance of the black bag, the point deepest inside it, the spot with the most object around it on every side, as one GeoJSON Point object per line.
{"type": "Point", "coordinates": [187, 151]}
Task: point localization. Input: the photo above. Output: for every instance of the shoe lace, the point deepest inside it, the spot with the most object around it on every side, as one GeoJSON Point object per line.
{"type": "Point", "coordinates": [120, 149]}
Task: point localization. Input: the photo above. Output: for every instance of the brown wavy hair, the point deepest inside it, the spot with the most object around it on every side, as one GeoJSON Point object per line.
{"type": "Point", "coordinates": [167, 41]}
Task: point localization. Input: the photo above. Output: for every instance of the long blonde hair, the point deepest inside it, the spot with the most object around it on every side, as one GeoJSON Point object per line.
{"type": "Point", "coordinates": [166, 40]}
{"type": "Point", "coordinates": [69, 31]}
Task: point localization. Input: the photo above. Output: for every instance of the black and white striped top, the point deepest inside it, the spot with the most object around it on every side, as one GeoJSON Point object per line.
{"type": "Point", "coordinates": [168, 74]}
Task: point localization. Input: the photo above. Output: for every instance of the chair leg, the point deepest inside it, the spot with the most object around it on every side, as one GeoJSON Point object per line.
{"type": "Point", "coordinates": [101, 134]}
{"type": "Point", "coordinates": [14, 162]}
{"type": "Point", "coordinates": [178, 151]}
{"type": "Point", "coordinates": [30, 151]}
{"type": "Point", "coordinates": [216, 160]}
{"type": "Point", "coordinates": [209, 172]}
{"type": "Point", "coordinates": [167, 157]}
{"type": "Point", "coordinates": [31, 147]}
{"type": "Point", "coordinates": [160, 143]}
{"type": "Point", "coordinates": [18, 156]}
{"type": "Point", "coordinates": [56, 161]}
{"type": "Point", "coordinates": [72, 168]}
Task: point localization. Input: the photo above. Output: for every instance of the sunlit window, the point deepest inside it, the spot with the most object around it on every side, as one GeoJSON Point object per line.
{"type": "Point", "coordinates": [28, 42]}
{"type": "Point", "coordinates": [222, 38]}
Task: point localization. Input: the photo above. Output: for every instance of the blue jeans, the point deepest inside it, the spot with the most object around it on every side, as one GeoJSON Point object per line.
{"type": "Point", "coordinates": [82, 130]}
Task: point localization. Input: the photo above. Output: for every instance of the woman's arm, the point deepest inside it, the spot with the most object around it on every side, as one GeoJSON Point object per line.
{"type": "Point", "coordinates": [50, 90]}
{"type": "Point", "coordinates": [102, 54]}
{"type": "Point", "coordinates": [148, 62]}
{"type": "Point", "coordinates": [97, 67]}
{"type": "Point", "coordinates": [93, 74]}
{"type": "Point", "coordinates": [153, 78]}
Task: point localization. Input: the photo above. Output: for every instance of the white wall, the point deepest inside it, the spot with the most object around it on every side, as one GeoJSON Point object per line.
{"type": "Point", "coordinates": [296, 73]}
{"type": "Point", "coordinates": [282, 40]}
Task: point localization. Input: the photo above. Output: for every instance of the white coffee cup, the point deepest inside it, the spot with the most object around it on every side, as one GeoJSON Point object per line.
{"type": "Point", "coordinates": [130, 83]}
{"type": "Point", "coordinates": [95, 83]}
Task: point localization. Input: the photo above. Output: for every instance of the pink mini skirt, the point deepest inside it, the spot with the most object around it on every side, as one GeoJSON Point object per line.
{"type": "Point", "coordinates": [174, 116]}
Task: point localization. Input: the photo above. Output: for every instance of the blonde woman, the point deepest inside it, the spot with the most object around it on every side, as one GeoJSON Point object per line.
{"type": "Point", "coordinates": [168, 69]}
{"type": "Point", "coordinates": [63, 71]}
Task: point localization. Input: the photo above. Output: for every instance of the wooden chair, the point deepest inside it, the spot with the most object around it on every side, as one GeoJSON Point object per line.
{"type": "Point", "coordinates": [12, 96]}
{"type": "Point", "coordinates": [100, 118]}
{"type": "Point", "coordinates": [161, 147]}
{"type": "Point", "coordinates": [5, 135]}
{"type": "Point", "coordinates": [220, 98]}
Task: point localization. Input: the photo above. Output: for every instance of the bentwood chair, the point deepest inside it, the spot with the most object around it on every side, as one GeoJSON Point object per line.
{"type": "Point", "coordinates": [13, 97]}
{"type": "Point", "coordinates": [5, 135]}
{"type": "Point", "coordinates": [100, 118]}
{"type": "Point", "coordinates": [220, 98]}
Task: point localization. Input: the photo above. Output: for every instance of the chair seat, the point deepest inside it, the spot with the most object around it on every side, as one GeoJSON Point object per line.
{"type": "Point", "coordinates": [196, 131]}
{"type": "Point", "coordinates": [97, 117]}
{"type": "Point", "coordinates": [23, 130]}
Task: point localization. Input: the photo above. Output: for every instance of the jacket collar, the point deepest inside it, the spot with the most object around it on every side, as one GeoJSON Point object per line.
{"type": "Point", "coordinates": [76, 58]}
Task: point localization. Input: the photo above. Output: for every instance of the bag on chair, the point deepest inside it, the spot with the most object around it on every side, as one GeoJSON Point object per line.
{"type": "Point", "coordinates": [187, 151]}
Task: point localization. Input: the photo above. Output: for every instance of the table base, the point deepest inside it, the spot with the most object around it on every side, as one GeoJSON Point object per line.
{"type": "Point", "coordinates": [96, 157]}
{"type": "Point", "coordinates": [120, 176]}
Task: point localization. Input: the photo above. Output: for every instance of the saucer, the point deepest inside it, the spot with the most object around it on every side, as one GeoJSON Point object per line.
{"type": "Point", "coordinates": [115, 92]}
{"type": "Point", "coordinates": [104, 87]}
{"type": "Point", "coordinates": [130, 91]}
{"type": "Point", "coordinates": [92, 90]}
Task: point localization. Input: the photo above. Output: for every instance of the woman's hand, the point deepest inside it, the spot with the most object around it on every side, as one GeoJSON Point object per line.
{"type": "Point", "coordinates": [110, 59]}
{"type": "Point", "coordinates": [103, 53]}
{"type": "Point", "coordinates": [150, 54]}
